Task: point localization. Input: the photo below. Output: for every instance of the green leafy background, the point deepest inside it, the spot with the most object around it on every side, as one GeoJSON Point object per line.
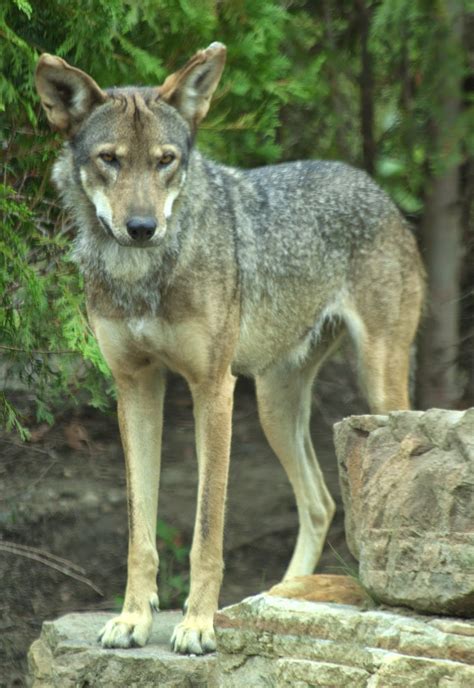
{"type": "Point", "coordinates": [291, 89]}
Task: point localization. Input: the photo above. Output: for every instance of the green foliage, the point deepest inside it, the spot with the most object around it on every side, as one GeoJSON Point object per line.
{"type": "Point", "coordinates": [174, 577]}
{"type": "Point", "coordinates": [291, 89]}
{"type": "Point", "coordinates": [42, 319]}
{"type": "Point", "coordinates": [407, 38]}
{"type": "Point", "coordinates": [173, 569]}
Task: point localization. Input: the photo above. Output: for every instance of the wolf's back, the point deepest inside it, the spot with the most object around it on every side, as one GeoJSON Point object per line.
{"type": "Point", "coordinates": [309, 219]}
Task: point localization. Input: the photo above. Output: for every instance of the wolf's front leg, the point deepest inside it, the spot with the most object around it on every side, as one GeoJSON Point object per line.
{"type": "Point", "coordinates": [213, 419]}
{"type": "Point", "coordinates": [140, 412]}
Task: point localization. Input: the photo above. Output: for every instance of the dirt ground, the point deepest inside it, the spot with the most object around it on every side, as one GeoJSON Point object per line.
{"type": "Point", "coordinates": [64, 495]}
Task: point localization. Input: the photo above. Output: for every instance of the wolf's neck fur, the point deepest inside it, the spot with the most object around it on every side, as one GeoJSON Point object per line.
{"type": "Point", "coordinates": [133, 279]}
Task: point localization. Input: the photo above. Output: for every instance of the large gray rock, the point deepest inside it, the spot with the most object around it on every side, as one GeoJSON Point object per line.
{"type": "Point", "coordinates": [67, 655]}
{"type": "Point", "coordinates": [270, 641]}
{"type": "Point", "coordinates": [407, 483]}
{"type": "Point", "coordinates": [267, 641]}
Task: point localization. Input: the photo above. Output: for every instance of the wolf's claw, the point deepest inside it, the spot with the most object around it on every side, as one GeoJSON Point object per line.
{"type": "Point", "coordinates": [130, 629]}
{"type": "Point", "coordinates": [193, 639]}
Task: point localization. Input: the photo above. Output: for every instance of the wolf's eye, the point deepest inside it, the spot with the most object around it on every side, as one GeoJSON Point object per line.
{"type": "Point", "coordinates": [166, 159]}
{"type": "Point", "coordinates": [109, 158]}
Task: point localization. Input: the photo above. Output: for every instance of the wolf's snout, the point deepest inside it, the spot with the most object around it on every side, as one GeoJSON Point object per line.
{"type": "Point", "coordinates": [141, 228]}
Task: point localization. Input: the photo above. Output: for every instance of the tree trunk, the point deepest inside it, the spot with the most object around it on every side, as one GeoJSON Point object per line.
{"type": "Point", "coordinates": [438, 375]}
{"type": "Point", "coordinates": [438, 383]}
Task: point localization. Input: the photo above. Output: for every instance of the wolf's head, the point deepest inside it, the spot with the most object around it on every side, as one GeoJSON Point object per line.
{"type": "Point", "coordinates": [130, 146]}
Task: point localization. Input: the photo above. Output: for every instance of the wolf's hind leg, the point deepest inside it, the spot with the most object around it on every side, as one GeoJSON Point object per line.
{"type": "Point", "coordinates": [284, 403]}
{"type": "Point", "coordinates": [382, 316]}
{"type": "Point", "coordinates": [383, 340]}
{"type": "Point", "coordinates": [140, 411]}
{"type": "Point", "coordinates": [384, 371]}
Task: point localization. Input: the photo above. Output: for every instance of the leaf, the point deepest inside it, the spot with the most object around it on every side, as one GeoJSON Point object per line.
{"type": "Point", "coordinates": [25, 7]}
{"type": "Point", "coordinates": [390, 167]}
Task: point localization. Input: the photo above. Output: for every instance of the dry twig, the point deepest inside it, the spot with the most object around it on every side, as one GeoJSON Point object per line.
{"type": "Point", "coordinates": [50, 560]}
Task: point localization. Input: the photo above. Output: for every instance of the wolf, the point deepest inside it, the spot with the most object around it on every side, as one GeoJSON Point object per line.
{"type": "Point", "coordinates": [210, 272]}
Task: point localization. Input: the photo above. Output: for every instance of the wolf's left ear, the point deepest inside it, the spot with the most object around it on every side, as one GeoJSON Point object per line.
{"type": "Point", "coordinates": [67, 94]}
{"type": "Point", "coordinates": [190, 89]}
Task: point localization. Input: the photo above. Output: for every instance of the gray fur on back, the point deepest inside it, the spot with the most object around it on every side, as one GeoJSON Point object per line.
{"type": "Point", "coordinates": [306, 217]}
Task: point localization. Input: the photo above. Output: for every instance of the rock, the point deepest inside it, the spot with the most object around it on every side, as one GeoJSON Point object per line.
{"type": "Point", "coordinates": [90, 499]}
{"type": "Point", "coordinates": [67, 655]}
{"type": "Point", "coordinates": [290, 643]}
{"type": "Point", "coordinates": [322, 588]}
{"type": "Point", "coordinates": [269, 640]}
{"type": "Point", "coordinates": [407, 482]}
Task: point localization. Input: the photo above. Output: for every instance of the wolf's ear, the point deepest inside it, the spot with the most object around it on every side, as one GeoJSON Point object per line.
{"type": "Point", "coordinates": [190, 89]}
{"type": "Point", "coordinates": [66, 93]}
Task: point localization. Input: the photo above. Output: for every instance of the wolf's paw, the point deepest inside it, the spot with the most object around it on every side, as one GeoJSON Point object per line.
{"type": "Point", "coordinates": [193, 638]}
{"type": "Point", "coordinates": [130, 629]}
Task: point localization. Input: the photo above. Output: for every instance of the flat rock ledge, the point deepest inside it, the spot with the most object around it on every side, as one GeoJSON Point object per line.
{"type": "Point", "coordinates": [272, 642]}
{"type": "Point", "coordinates": [268, 641]}
{"type": "Point", "coordinates": [67, 655]}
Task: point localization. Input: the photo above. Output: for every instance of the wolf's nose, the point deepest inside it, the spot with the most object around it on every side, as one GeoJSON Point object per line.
{"type": "Point", "coordinates": [141, 228]}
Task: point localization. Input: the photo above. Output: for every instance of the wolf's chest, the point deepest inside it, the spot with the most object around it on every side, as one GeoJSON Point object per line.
{"type": "Point", "coordinates": [142, 330]}
{"type": "Point", "coordinates": [147, 335]}
{"type": "Point", "coordinates": [182, 347]}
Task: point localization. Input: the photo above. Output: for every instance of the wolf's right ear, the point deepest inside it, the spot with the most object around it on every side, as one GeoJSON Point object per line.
{"type": "Point", "coordinates": [67, 94]}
